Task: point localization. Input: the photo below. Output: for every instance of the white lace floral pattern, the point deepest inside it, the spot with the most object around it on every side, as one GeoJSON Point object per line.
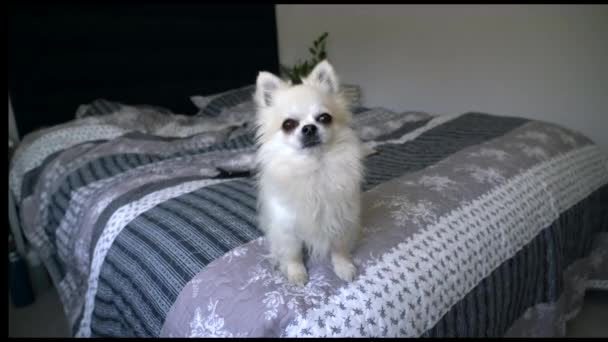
{"type": "Point", "coordinates": [294, 296]}
{"type": "Point", "coordinates": [211, 325]}
{"type": "Point", "coordinates": [535, 135]}
{"type": "Point", "coordinates": [404, 209]}
{"type": "Point", "coordinates": [489, 175]}
{"type": "Point", "coordinates": [497, 154]}
{"type": "Point", "coordinates": [532, 151]}
{"type": "Point", "coordinates": [438, 183]}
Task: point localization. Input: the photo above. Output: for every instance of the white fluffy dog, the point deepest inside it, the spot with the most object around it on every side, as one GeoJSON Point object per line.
{"type": "Point", "coordinates": [310, 172]}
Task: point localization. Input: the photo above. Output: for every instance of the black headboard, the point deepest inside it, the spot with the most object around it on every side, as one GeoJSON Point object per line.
{"type": "Point", "coordinates": [62, 55]}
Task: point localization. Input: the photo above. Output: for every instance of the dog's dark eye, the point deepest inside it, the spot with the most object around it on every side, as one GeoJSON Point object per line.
{"type": "Point", "coordinates": [289, 125]}
{"type": "Point", "coordinates": [324, 119]}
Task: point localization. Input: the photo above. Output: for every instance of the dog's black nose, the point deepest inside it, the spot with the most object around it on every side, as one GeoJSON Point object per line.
{"type": "Point", "coordinates": [309, 130]}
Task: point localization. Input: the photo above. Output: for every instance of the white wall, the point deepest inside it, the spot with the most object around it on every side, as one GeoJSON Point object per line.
{"type": "Point", "coordinates": [547, 62]}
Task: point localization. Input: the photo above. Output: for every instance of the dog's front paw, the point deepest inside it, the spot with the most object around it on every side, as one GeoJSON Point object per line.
{"type": "Point", "coordinates": [296, 274]}
{"type": "Point", "coordinates": [345, 269]}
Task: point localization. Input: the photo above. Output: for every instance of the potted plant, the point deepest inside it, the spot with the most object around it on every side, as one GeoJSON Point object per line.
{"type": "Point", "coordinates": [301, 69]}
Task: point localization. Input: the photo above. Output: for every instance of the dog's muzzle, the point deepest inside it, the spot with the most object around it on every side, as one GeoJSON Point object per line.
{"type": "Point", "coordinates": [310, 136]}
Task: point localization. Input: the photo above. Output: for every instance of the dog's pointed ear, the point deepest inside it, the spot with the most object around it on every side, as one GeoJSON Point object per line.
{"type": "Point", "coordinates": [266, 86]}
{"type": "Point", "coordinates": [324, 77]}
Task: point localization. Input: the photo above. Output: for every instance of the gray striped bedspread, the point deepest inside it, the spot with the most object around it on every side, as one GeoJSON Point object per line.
{"type": "Point", "coordinates": [474, 225]}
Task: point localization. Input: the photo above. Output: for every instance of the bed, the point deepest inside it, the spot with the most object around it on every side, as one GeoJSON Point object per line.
{"type": "Point", "coordinates": [474, 224]}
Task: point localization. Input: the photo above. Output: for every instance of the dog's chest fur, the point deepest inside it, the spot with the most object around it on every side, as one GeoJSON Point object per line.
{"type": "Point", "coordinates": [317, 199]}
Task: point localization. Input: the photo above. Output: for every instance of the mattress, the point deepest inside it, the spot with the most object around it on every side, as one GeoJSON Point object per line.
{"type": "Point", "coordinates": [473, 225]}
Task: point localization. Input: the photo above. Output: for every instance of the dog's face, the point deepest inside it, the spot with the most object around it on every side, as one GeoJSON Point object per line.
{"type": "Point", "coordinates": [302, 118]}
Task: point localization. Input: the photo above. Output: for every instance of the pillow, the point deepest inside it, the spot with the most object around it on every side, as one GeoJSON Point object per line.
{"type": "Point", "coordinates": [214, 105]}
{"type": "Point", "coordinates": [241, 100]}
{"type": "Point", "coordinates": [103, 107]}
{"type": "Point", "coordinates": [352, 93]}
{"type": "Point", "coordinates": [374, 123]}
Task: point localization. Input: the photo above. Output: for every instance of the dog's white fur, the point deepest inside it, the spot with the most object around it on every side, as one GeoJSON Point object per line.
{"type": "Point", "coordinates": [308, 196]}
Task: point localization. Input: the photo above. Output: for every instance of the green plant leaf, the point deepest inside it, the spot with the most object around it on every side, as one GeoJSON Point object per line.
{"type": "Point", "coordinates": [301, 68]}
